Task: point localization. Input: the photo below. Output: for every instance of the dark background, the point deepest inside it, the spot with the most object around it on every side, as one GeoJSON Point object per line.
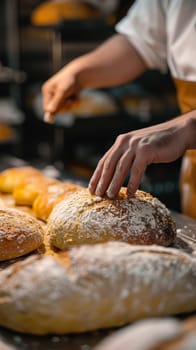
{"type": "Point", "coordinates": [75, 148]}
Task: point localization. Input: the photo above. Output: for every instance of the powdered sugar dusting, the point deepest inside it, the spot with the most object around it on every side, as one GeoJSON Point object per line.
{"type": "Point", "coordinates": [83, 218]}
{"type": "Point", "coordinates": [107, 285]}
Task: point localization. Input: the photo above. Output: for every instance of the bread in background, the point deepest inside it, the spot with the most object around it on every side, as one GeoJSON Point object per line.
{"type": "Point", "coordinates": [51, 12]}
{"type": "Point", "coordinates": [26, 192]}
{"type": "Point", "coordinates": [94, 103]}
{"type": "Point", "coordinates": [6, 133]}
{"type": "Point", "coordinates": [12, 177]}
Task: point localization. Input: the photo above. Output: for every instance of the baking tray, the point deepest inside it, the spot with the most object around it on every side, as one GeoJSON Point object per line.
{"type": "Point", "coordinates": [186, 241]}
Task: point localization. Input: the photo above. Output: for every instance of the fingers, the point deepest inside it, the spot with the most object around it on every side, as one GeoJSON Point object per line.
{"type": "Point", "coordinates": [48, 91]}
{"type": "Point", "coordinates": [145, 154]}
{"type": "Point", "coordinates": [49, 118]}
{"type": "Point", "coordinates": [103, 173]}
{"type": "Point", "coordinates": [119, 175]}
{"type": "Point", "coordinates": [133, 156]}
{"type": "Point", "coordinates": [57, 101]}
{"type": "Point", "coordinates": [136, 172]}
{"type": "Point", "coordinates": [52, 104]}
{"type": "Point", "coordinates": [59, 93]}
{"type": "Point", "coordinates": [133, 152]}
{"type": "Point", "coordinates": [47, 96]}
{"type": "Point", "coordinates": [57, 98]}
{"type": "Point", "coordinates": [112, 169]}
{"type": "Point", "coordinates": [109, 179]}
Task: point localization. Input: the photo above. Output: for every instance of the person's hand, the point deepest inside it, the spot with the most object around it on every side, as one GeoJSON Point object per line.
{"type": "Point", "coordinates": [59, 93]}
{"type": "Point", "coordinates": [133, 151]}
{"type": "Point", "coordinates": [99, 68]}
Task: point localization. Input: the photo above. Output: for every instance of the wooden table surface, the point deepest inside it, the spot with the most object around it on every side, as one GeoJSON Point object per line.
{"type": "Point", "coordinates": [186, 240]}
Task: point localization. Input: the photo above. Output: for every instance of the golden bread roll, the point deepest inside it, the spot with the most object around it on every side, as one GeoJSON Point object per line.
{"type": "Point", "coordinates": [188, 183]}
{"type": "Point", "coordinates": [26, 192]}
{"type": "Point", "coordinates": [83, 218]}
{"type": "Point", "coordinates": [93, 103]}
{"type": "Point", "coordinates": [6, 133]}
{"type": "Point", "coordinates": [98, 286]}
{"type": "Point", "coordinates": [51, 13]}
{"type": "Point", "coordinates": [20, 233]}
{"type": "Point", "coordinates": [12, 177]}
{"type": "Point", "coordinates": [45, 201]}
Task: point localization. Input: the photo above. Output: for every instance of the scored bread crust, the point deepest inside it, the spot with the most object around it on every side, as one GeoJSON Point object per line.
{"type": "Point", "coordinates": [88, 288]}
{"type": "Point", "coordinates": [20, 233]}
{"type": "Point", "coordinates": [83, 218]}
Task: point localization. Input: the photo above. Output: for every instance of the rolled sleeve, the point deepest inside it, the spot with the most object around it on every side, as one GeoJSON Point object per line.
{"type": "Point", "coordinates": [145, 27]}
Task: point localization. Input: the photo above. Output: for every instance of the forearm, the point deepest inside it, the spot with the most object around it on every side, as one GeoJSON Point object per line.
{"type": "Point", "coordinates": [113, 63]}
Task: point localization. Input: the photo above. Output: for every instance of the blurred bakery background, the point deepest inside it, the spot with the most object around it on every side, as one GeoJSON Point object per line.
{"type": "Point", "coordinates": [39, 37]}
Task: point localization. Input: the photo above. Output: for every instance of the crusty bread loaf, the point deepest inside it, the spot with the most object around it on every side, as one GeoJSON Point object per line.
{"type": "Point", "coordinates": [19, 233]}
{"type": "Point", "coordinates": [12, 177]}
{"type": "Point", "coordinates": [27, 191]}
{"type": "Point", "coordinates": [101, 286]}
{"type": "Point", "coordinates": [93, 103]}
{"type": "Point", "coordinates": [51, 13]}
{"type": "Point", "coordinates": [83, 218]}
{"type": "Point", "coordinates": [46, 200]}
{"type": "Point", "coordinates": [154, 334]}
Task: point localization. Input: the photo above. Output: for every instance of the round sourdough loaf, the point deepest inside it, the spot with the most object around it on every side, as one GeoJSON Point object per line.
{"type": "Point", "coordinates": [83, 218]}
{"type": "Point", "coordinates": [98, 286]}
{"type": "Point", "coordinates": [154, 334]}
{"type": "Point", "coordinates": [20, 233]}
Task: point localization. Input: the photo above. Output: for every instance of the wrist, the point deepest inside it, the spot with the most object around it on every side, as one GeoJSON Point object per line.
{"type": "Point", "coordinates": [79, 69]}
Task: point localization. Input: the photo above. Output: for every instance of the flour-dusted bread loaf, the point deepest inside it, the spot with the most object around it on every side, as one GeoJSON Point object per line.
{"type": "Point", "coordinates": [83, 218]}
{"type": "Point", "coordinates": [20, 233]}
{"type": "Point", "coordinates": [153, 334]}
{"type": "Point", "coordinates": [46, 200]}
{"type": "Point", "coordinates": [98, 286]}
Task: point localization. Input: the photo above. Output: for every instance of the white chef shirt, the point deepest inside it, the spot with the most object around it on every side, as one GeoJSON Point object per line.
{"type": "Point", "coordinates": [164, 34]}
